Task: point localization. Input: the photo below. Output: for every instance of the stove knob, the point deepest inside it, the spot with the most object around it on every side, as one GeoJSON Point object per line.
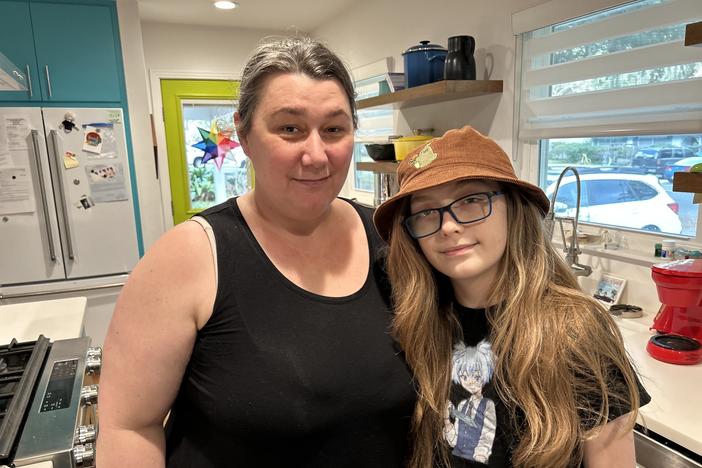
{"type": "Point", "coordinates": [84, 454]}
{"type": "Point", "coordinates": [85, 434]}
{"type": "Point", "coordinates": [93, 360]}
{"type": "Point", "coordinates": [89, 394]}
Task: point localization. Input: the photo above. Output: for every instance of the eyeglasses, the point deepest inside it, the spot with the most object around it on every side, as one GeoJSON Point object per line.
{"type": "Point", "coordinates": [468, 209]}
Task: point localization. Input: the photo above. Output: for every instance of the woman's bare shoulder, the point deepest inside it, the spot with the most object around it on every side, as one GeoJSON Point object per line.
{"type": "Point", "coordinates": [178, 266]}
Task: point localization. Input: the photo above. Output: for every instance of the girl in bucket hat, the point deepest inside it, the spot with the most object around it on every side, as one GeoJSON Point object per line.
{"type": "Point", "coordinates": [515, 365]}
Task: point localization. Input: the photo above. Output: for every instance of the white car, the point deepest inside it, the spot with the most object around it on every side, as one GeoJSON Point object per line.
{"type": "Point", "coordinates": [635, 201]}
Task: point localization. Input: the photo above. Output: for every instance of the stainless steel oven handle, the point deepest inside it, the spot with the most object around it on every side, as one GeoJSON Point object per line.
{"type": "Point", "coordinates": [48, 79]}
{"type": "Point", "coordinates": [62, 194]}
{"type": "Point", "coordinates": [42, 190]}
{"type": "Point", "coordinates": [29, 82]}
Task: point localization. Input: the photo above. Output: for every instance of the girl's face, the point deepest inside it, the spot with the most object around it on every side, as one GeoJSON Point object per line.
{"type": "Point", "coordinates": [466, 253]}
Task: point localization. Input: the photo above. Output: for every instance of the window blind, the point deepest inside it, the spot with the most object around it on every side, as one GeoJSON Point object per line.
{"type": "Point", "coordinates": [624, 70]}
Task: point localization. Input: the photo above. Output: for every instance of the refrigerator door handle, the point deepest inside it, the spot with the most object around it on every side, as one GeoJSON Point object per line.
{"type": "Point", "coordinates": [29, 82]}
{"type": "Point", "coordinates": [62, 194]}
{"type": "Point", "coordinates": [48, 78]}
{"type": "Point", "coordinates": [42, 189]}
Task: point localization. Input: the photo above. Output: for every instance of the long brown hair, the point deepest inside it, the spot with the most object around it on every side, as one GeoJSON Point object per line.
{"type": "Point", "coordinates": [553, 345]}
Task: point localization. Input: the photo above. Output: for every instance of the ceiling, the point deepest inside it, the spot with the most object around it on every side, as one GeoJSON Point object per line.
{"type": "Point", "coordinates": [281, 15]}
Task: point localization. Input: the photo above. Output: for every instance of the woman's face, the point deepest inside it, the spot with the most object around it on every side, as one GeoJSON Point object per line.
{"type": "Point", "coordinates": [464, 252]}
{"type": "Point", "coordinates": [300, 142]}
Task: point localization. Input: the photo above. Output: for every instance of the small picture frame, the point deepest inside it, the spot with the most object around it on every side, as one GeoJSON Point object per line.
{"type": "Point", "coordinates": [609, 289]}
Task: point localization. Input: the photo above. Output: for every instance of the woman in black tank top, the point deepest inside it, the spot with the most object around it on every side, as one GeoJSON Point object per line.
{"type": "Point", "coordinates": [263, 327]}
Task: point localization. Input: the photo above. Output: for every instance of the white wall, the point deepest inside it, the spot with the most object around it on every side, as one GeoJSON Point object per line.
{"type": "Point", "coordinates": [199, 49]}
{"type": "Point", "coordinates": [138, 102]}
{"type": "Point", "coordinates": [372, 30]}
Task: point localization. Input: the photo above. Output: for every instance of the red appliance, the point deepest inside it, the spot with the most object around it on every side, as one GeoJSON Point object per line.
{"type": "Point", "coordinates": [679, 320]}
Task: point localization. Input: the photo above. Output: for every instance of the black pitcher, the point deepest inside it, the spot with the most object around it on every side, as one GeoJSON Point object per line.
{"type": "Point", "coordinates": [460, 63]}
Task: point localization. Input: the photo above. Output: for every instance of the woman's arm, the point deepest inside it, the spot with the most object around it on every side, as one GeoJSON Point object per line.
{"type": "Point", "coordinates": [168, 297]}
{"type": "Point", "coordinates": [613, 447]}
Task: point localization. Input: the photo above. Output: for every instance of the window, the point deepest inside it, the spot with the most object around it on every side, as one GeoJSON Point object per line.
{"type": "Point", "coordinates": [618, 96]}
{"type": "Point", "coordinates": [374, 125]}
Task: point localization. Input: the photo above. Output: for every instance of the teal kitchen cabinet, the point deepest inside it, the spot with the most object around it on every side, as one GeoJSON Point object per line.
{"type": "Point", "coordinates": [60, 52]}
{"type": "Point", "coordinates": [18, 65]}
{"type": "Point", "coordinates": [77, 51]}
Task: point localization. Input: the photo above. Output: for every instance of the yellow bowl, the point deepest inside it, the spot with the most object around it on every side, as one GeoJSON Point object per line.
{"type": "Point", "coordinates": [404, 145]}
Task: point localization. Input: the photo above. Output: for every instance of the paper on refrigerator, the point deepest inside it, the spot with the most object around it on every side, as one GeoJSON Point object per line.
{"type": "Point", "coordinates": [16, 132]}
{"type": "Point", "coordinates": [5, 156]}
{"type": "Point", "coordinates": [107, 182]}
{"type": "Point", "coordinates": [16, 194]}
{"type": "Point", "coordinates": [5, 159]}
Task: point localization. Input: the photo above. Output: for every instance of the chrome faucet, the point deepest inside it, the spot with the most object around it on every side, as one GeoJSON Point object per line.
{"type": "Point", "coordinates": [571, 250]}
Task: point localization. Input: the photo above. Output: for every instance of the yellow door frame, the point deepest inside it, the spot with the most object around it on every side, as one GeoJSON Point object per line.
{"type": "Point", "coordinates": [173, 92]}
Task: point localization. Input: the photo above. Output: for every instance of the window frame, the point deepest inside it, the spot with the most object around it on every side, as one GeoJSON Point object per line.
{"type": "Point", "coordinates": [529, 164]}
{"type": "Point", "coordinates": [528, 160]}
{"type": "Point", "coordinates": [373, 72]}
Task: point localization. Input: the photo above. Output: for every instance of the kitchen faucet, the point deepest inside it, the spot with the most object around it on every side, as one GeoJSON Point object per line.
{"type": "Point", "coordinates": [573, 250]}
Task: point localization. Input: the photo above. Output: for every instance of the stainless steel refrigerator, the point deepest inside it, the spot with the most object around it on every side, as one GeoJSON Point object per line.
{"type": "Point", "coordinates": [67, 209]}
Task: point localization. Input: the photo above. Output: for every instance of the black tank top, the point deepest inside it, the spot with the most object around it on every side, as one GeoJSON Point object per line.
{"type": "Point", "coordinates": [280, 376]}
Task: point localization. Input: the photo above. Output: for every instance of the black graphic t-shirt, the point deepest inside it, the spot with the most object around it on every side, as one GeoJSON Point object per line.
{"type": "Point", "coordinates": [477, 424]}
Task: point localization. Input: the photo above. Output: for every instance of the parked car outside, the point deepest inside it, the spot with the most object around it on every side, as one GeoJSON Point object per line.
{"type": "Point", "coordinates": [636, 201]}
{"type": "Point", "coordinates": [655, 160]}
{"type": "Point", "coordinates": [682, 165]}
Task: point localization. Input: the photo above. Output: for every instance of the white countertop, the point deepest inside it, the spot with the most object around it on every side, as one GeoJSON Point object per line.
{"type": "Point", "coordinates": [675, 410]}
{"type": "Point", "coordinates": [57, 319]}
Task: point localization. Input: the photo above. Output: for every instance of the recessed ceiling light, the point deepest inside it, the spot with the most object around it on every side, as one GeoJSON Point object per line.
{"type": "Point", "coordinates": [226, 5]}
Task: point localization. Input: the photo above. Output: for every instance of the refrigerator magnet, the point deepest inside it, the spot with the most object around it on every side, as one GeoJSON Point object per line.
{"type": "Point", "coordinates": [70, 160]}
{"type": "Point", "coordinates": [114, 116]}
{"type": "Point", "coordinates": [86, 202]}
{"type": "Point", "coordinates": [69, 122]}
{"type": "Point", "coordinates": [92, 140]}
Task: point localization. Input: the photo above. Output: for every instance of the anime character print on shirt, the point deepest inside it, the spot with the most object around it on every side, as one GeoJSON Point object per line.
{"type": "Point", "coordinates": [470, 424]}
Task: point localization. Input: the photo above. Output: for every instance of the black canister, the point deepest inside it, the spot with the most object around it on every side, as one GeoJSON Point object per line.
{"type": "Point", "coordinates": [460, 63]}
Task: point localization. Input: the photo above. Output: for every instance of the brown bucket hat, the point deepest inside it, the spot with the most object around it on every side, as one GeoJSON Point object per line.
{"type": "Point", "coordinates": [458, 155]}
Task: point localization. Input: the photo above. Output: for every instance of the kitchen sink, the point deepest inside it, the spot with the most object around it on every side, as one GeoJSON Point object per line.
{"type": "Point", "coordinates": [653, 454]}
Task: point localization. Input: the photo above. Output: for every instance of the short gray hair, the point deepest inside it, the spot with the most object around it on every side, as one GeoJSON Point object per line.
{"type": "Point", "coordinates": [289, 55]}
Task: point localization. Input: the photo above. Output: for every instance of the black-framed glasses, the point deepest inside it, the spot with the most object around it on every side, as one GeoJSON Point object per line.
{"type": "Point", "coordinates": [467, 209]}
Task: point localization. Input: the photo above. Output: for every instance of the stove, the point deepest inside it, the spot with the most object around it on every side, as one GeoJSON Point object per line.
{"type": "Point", "coordinates": [48, 406]}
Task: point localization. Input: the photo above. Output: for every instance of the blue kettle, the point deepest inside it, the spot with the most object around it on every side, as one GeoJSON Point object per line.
{"type": "Point", "coordinates": [424, 64]}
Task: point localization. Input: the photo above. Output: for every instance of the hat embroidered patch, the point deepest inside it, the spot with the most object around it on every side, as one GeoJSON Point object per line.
{"type": "Point", "coordinates": [424, 157]}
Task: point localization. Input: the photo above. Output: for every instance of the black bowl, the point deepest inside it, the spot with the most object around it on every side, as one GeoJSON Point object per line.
{"type": "Point", "coordinates": [381, 152]}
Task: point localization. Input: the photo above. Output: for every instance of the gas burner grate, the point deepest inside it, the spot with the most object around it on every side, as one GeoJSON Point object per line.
{"type": "Point", "coordinates": [20, 366]}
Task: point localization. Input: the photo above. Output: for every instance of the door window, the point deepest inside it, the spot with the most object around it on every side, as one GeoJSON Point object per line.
{"type": "Point", "coordinates": [206, 165]}
{"type": "Point", "coordinates": [217, 166]}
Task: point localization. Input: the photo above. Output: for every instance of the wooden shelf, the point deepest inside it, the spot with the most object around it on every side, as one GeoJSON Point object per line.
{"type": "Point", "coordinates": [379, 167]}
{"type": "Point", "coordinates": [690, 182]}
{"type": "Point", "coordinates": [693, 34]}
{"type": "Point", "coordinates": [439, 91]}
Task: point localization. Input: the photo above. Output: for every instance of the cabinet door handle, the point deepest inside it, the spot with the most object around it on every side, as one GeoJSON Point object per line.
{"type": "Point", "coordinates": [48, 78]}
{"type": "Point", "coordinates": [42, 189]}
{"type": "Point", "coordinates": [29, 82]}
{"type": "Point", "coordinates": [62, 193]}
